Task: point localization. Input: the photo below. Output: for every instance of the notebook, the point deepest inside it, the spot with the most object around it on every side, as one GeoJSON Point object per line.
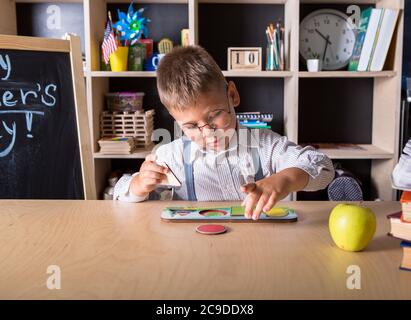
{"type": "Point", "coordinates": [369, 40]}
{"type": "Point", "coordinates": [359, 42]}
{"type": "Point", "coordinates": [385, 33]}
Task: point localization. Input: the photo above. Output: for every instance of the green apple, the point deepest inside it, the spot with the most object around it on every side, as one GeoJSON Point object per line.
{"type": "Point", "coordinates": [351, 226]}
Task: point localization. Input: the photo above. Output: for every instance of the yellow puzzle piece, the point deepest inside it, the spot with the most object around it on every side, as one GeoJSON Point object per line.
{"type": "Point", "coordinates": [277, 212]}
{"type": "Point", "coordinates": [273, 212]}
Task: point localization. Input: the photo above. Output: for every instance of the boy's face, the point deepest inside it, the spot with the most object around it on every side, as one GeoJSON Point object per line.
{"type": "Point", "coordinates": [211, 122]}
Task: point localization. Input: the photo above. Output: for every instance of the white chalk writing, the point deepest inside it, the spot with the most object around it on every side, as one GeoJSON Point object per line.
{"type": "Point", "coordinates": [20, 98]}
{"type": "Point", "coordinates": [5, 66]}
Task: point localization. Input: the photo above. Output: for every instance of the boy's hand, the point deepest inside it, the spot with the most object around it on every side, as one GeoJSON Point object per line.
{"type": "Point", "coordinates": [151, 174]}
{"type": "Point", "coordinates": [265, 193]}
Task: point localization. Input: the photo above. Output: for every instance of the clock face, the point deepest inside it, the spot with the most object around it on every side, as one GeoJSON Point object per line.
{"type": "Point", "coordinates": [328, 33]}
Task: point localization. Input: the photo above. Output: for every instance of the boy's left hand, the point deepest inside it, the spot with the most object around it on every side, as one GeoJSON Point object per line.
{"type": "Point", "coordinates": [264, 194]}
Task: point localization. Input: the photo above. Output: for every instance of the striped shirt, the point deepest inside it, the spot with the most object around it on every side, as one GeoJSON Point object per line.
{"type": "Point", "coordinates": [218, 176]}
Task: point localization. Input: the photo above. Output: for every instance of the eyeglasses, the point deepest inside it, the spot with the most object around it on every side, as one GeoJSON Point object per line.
{"type": "Point", "coordinates": [216, 119]}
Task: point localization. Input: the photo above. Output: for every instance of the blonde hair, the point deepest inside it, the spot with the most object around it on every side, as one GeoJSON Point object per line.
{"type": "Point", "coordinates": [185, 73]}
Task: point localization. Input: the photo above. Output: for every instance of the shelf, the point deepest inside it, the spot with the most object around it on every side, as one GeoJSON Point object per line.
{"type": "Point", "coordinates": [244, 1]}
{"type": "Point", "coordinates": [125, 74]}
{"type": "Point", "coordinates": [152, 74]}
{"type": "Point", "coordinates": [139, 154]}
{"type": "Point", "coordinates": [151, 1]}
{"type": "Point", "coordinates": [347, 74]}
{"type": "Point", "coordinates": [339, 1]}
{"type": "Point", "coordinates": [258, 74]}
{"type": "Point", "coordinates": [361, 151]}
{"type": "Point", "coordinates": [52, 1]}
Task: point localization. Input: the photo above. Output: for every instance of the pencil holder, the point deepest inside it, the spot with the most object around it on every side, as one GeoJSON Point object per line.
{"type": "Point", "coordinates": [270, 56]}
{"type": "Point", "coordinates": [118, 59]}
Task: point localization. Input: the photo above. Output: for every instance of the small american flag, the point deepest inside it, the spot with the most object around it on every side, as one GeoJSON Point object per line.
{"type": "Point", "coordinates": [109, 43]}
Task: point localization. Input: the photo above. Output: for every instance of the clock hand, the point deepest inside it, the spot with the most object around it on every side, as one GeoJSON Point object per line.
{"type": "Point", "coordinates": [323, 36]}
{"type": "Point", "coordinates": [326, 45]}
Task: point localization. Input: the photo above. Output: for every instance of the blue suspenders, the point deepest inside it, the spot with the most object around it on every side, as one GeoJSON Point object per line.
{"type": "Point", "coordinates": [189, 172]}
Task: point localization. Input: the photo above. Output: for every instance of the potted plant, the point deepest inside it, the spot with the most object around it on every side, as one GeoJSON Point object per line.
{"type": "Point", "coordinates": [314, 62]}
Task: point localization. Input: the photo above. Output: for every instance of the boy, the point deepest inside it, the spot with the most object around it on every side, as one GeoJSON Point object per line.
{"type": "Point", "coordinates": [218, 159]}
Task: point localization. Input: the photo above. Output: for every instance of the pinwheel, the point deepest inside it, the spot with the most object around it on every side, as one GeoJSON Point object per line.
{"type": "Point", "coordinates": [132, 25]}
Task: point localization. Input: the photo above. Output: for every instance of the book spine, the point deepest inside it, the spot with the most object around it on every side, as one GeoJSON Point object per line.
{"type": "Point", "coordinates": [406, 217]}
{"type": "Point", "coordinates": [359, 42]}
{"type": "Point", "coordinates": [385, 36]}
{"type": "Point", "coordinates": [376, 39]}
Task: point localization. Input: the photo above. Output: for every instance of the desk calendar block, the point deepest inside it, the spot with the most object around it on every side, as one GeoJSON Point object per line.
{"type": "Point", "coordinates": [244, 59]}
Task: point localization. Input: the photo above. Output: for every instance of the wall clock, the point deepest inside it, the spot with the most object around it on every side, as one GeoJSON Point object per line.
{"type": "Point", "coordinates": [330, 34]}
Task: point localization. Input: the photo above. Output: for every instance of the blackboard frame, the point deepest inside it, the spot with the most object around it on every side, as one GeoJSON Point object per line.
{"type": "Point", "coordinates": [72, 46]}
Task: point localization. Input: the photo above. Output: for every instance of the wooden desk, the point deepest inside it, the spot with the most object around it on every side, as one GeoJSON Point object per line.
{"type": "Point", "coordinates": [119, 250]}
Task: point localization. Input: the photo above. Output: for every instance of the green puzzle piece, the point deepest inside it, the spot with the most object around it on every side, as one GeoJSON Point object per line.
{"type": "Point", "coordinates": [237, 211]}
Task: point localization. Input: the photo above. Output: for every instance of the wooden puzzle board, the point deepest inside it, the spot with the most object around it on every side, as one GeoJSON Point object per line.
{"type": "Point", "coordinates": [221, 214]}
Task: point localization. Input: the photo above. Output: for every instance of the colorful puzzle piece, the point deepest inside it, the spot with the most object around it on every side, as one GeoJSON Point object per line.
{"type": "Point", "coordinates": [237, 211]}
{"type": "Point", "coordinates": [273, 212]}
{"type": "Point", "coordinates": [277, 212]}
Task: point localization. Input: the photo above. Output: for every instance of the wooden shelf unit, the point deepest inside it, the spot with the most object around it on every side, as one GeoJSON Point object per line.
{"type": "Point", "coordinates": [152, 74]}
{"type": "Point", "coordinates": [364, 151]}
{"type": "Point", "coordinates": [138, 154]}
{"type": "Point", "coordinates": [255, 74]}
{"type": "Point", "coordinates": [383, 149]}
{"type": "Point", "coordinates": [123, 74]}
{"type": "Point", "coordinates": [347, 74]}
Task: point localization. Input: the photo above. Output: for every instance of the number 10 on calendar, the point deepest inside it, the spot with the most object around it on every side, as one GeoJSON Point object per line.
{"type": "Point", "coordinates": [244, 59]}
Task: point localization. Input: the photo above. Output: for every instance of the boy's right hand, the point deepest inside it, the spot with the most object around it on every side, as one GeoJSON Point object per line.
{"type": "Point", "coordinates": [151, 174]}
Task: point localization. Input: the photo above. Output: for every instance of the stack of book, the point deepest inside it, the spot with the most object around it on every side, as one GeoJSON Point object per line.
{"type": "Point", "coordinates": [373, 40]}
{"type": "Point", "coordinates": [117, 145]}
{"type": "Point", "coordinates": [401, 229]}
{"type": "Point", "coordinates": [255, 120]}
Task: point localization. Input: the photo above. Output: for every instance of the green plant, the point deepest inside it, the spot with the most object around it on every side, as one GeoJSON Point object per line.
{"type": "Point", "coordinates": [314, 55]}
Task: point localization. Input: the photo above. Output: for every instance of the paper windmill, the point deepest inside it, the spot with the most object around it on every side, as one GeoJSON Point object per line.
{"type": "Point", "coordinates": [131, 25]}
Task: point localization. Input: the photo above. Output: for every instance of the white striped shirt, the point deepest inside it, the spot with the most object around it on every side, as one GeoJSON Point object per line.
{"type": "Point", "coordinates": [219, 176]}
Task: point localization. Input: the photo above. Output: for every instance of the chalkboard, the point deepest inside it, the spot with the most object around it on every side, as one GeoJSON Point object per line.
{"type": "Point", "coordinates": [40, 150]}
